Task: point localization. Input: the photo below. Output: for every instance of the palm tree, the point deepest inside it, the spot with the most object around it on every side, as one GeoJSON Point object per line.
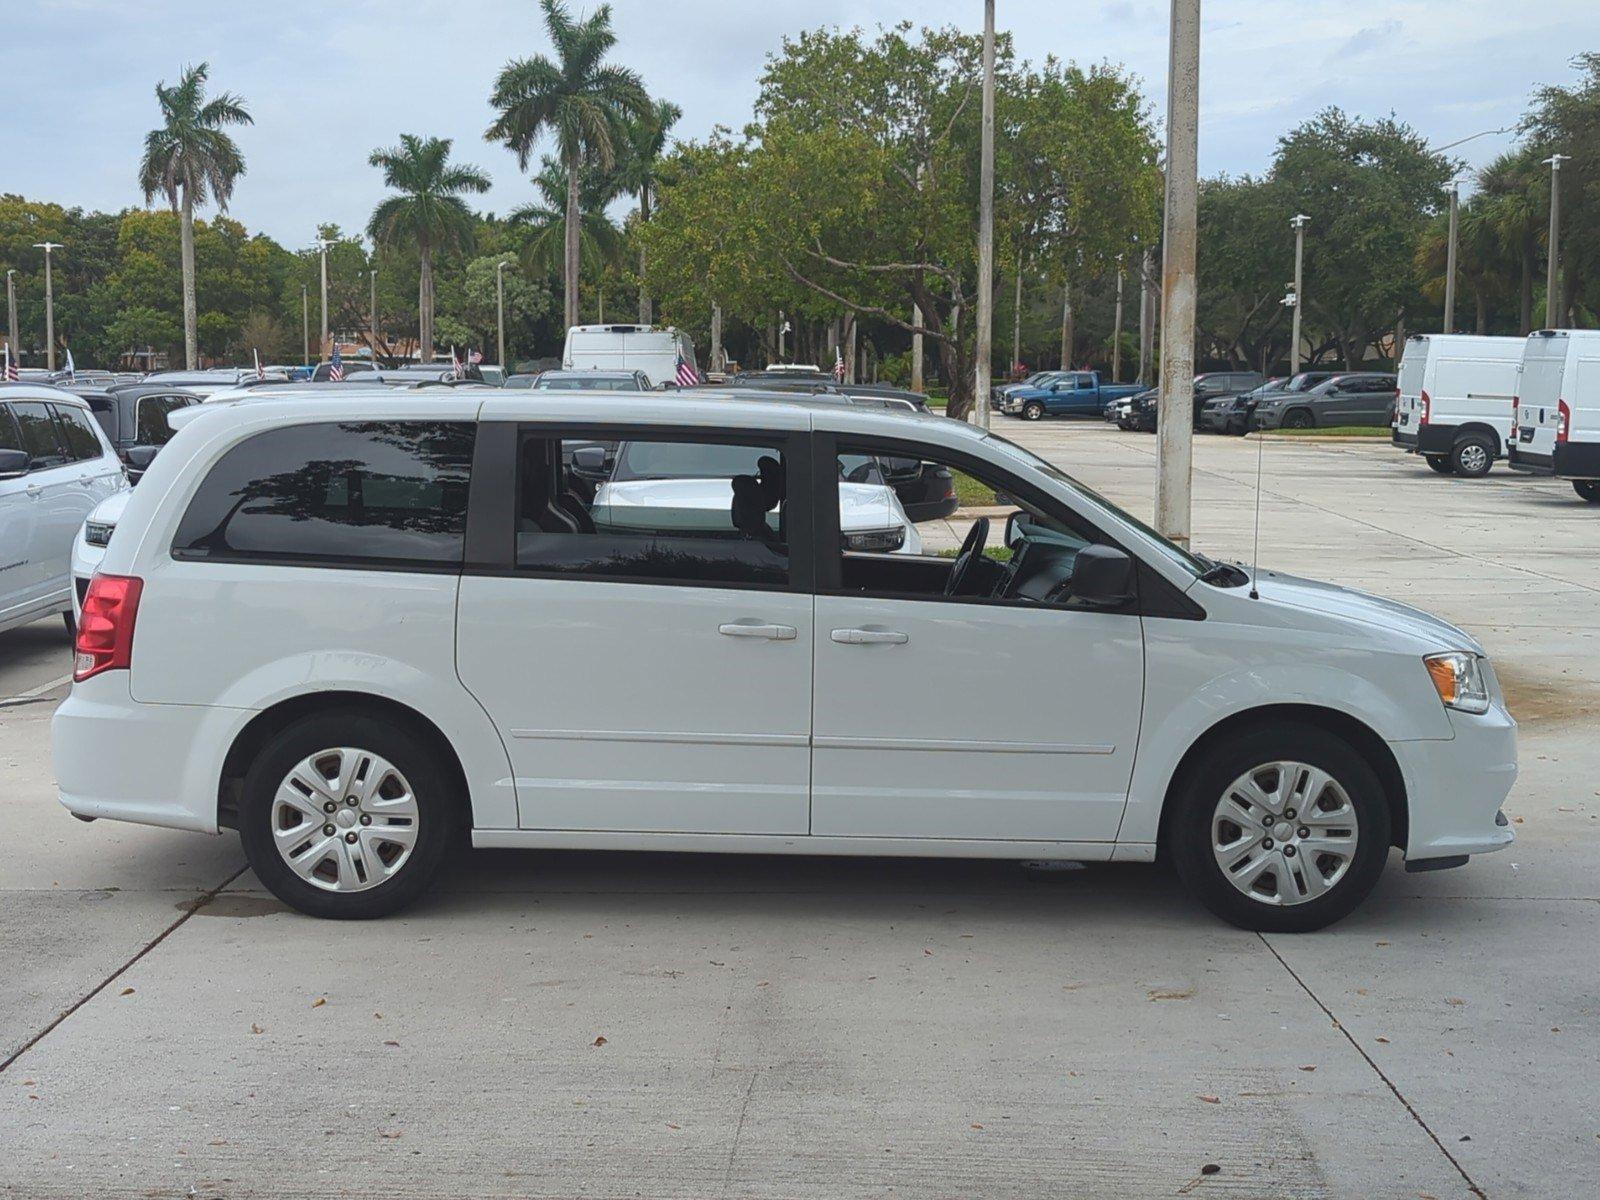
{"type": "Point", "coordinates": [636, 173]}
{"type": "Point", "coordinates": [428, 211]}
{"type": "Point", "coordinates": [599, 239]}
{"type": "Point", "coordinates": [580, 99]}
{"type": "Point", "coordinates": [188, 159]}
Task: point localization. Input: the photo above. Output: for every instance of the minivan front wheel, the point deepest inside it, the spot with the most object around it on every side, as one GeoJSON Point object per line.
{"type": "Point", "coordinates": [1283, 830]}
{"type": "Point", "coordinates": [346, 816]}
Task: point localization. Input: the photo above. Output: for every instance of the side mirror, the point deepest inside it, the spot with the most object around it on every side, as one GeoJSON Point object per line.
{"type": "Point", "coordinates": [589, 462]}
{"type": "Point", "coordinates": [900, 471]}
{"type": "Point", "coordinates": [1055, 387]}
{"type": "Point", "coordinates": [1014, 527]}
{"type": "Point", "coordinates": [1102, 577]}
{"type": "Point", "coordinates": [14, 463]}
{"type": "Point", "coordinates": [139, 458]}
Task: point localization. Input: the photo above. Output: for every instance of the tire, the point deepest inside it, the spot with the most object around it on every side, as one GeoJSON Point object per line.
{"type": "Point", "coordinates": [1298, 418]}
{"type": "Point", "coordinates": [346, 737]}
{"type": "Point", "coordinates": [1032, 410]}
{"type": "Point", "coordinates": [71, 622]}
{"type": "Point", "coordinates": [1440, 463]}
{"type": "Point", "coordinates": [1348, 872]}
{"type": "Point", "coordinates": [1472, 456]}
{"type": "Point", "coordinates": [1589, 489]}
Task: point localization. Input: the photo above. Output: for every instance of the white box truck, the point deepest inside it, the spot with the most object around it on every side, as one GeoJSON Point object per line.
{"type": "Point", "coordinates": [1557, 425]}
{"type": "Point", "coordinates": [1456, 393]}
{"type": "Point", "coordinates": [644, 348]}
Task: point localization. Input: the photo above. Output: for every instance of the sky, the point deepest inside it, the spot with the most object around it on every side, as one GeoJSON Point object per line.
{"type": "Point", "coordinates": [327, 83]}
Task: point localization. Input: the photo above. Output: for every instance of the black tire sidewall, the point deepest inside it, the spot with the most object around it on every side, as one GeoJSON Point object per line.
{"type": "Point", "coordinates": [1298, 418]}
{"type": "Point", "coordinates": [1460, 447]}
{"type": "Point", "coordinates": [1440, 463]}
{"type": "Point", "coordinates": [412, 755]}
{"type": "Point", "coordinates": [1188, 840]}
{"type": "Point", "coordinates": [1032, 410]}
{"type": "Point", "coordinates": [1587, 489]}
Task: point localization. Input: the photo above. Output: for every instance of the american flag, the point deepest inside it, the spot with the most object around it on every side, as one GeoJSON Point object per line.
{"type": "Point", "coordinates": [11, 366]}
{"type": "Point", "coordinates": [260, 373]}
{"type": "Point", "coordinates": [72, 371]}
{"type": "Point", "coordinates": [687, 376]}
{"type": "Point", "coordinates": [336, 365]}
{"type": "Point", "coordinates": [838, 365]}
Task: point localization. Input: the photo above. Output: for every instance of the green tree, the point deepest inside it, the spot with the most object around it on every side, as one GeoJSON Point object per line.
{"type": "Point", "coordinates": [582, 100]}
{"type": "Point", "coordinates": [428, 212]}
{"type": "Point", "coordinates": [187, 159]}
{"type": "Point", "coordinates": [637, 172]}
{"type": "Point", "coordinates": [599, 239]}
{"type": "Point", "coordinates": [1566, 120]}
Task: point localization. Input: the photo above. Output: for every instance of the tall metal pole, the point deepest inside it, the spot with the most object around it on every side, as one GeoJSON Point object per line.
{"type": "Point", "coordinates": [1450, 261]}
{"type": "Point", "coordinates": [917, 379]}
{"type": "Point", "coordinates": [1299, 223]}
{"type": "Point", "coordinates": [1552, 296]}
{"type": "Point", "coordinates": [1116, 330]}
{"type": "Point", "coordinates": [11, 312]}
{"type": "Point", "coordinates": [781, 331]}
{"type": "Point", "coordinates": [985, 348]}
{"type": "Point", "coordinates": [1147, 316]}
{"type": "Point", "coordinates": [1066, 324]}
{"type": "Point", "coordinates": [1175, 415]}
{"type": "Point", "coordinates": [322, 245]}
{"type": "Point", "coordinates": [500, 309]}
{"type": "Point", "coordinates": [374, 317]}
{"type": "Point", "coordinates": [49, 305]}
{"type": "Point", "coordinates": [305, 321]}
{"type": "Point", "coordinates": [716, 337]}
{"type": "Point", "coordinates": [1016, 323]}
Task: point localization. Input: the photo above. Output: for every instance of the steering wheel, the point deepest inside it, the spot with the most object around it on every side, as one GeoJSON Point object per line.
{"type": "Point", "coordinates": [971, 548]}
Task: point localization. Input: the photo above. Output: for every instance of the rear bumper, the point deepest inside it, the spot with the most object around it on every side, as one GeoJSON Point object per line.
{"type": "Point", "coordinates": [1455, 788]}
{"type": "Point", "coordinates": [1426, 439]}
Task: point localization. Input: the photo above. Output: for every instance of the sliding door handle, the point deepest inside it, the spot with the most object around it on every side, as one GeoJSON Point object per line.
{"type": "Point", "coordinates": [869, 637]}
{"type": "Point", "coordinates": [772, 633]}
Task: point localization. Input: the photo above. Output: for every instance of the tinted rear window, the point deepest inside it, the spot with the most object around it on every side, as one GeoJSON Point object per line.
{"type": "Point", "coordinates": [371, 493]}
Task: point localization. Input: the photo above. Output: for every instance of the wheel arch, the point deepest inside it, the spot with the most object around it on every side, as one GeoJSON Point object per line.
{"type": "Point", "coordinates": [269, 722]}
{"type": "Point", "coordinates": [1488, 431]}
{"type": "Point", "coordinates": [1299, 410]}
{"type": "Point", "coordinates": [1362, 737]}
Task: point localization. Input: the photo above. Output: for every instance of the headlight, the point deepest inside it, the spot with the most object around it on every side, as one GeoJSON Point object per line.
{"type": "Point", "coordinates": [98, 533]}
{"type": "Point", "coordinates": [876, 539]}
{"type": "Point", "coordinates": [1458, 678]}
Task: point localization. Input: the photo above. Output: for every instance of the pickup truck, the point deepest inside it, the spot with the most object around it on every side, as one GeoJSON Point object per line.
{"type": "Point", "coordinates": [1067, 394]}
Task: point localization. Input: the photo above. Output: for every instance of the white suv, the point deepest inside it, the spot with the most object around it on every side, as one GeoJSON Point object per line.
{"type": "Point", "coordinates": [55, 465]}
{"type": "Point", "coordinates": [352, 629]}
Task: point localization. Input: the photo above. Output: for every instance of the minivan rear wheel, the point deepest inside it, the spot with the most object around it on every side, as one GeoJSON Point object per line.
{"type": "Point", "coordinates": [1472, 455]}
{"type": "Point", "coordinates": [1281, 830]}
{"type": "Point", "coordinates": [1589, 489]}
{"type": "Point", "coordinates": [346, 815]}
{"type": "Point", "coordinates": [1440, 463]}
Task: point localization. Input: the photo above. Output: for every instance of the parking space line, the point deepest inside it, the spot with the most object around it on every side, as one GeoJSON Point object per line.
{"type": "Point", "coordinates": [201, 901]}
{"type": "Point", "coordinates": [37, 693]}
{"type": "Point", "coordinates": [1472, 1185]}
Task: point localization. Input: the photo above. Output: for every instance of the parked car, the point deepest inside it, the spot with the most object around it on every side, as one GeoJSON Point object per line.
{"type": "Point", "coordinates": [1557, 430]}
{"type": "Point", "coordinates": [206, 380]}
{"type": "Point", "coordinates": [1232, 414]}
{"type": "Point", "coordinates": [654, 351]}
{"type": "Point", "coordinates": [134, 418]}
{"type": "Point", "coordinates": [426, 591]}
{"type": "Point", "coordinates": [1353, 398]}
{"type": "Point", "coordinates": [1065, 394]}
{"type": "Point", "coordinates": [591, 381]}
{"type": "Point", "coordinates": [1214, 385]}
{"type": "Point", "coordinates": [56, 464]}
{"type": "Point", "coordinates": [1118, 410]}
{"type": "Point", "coordinates": [998, 393]}
{"type": "Point", "coordinates": [1456, 398]}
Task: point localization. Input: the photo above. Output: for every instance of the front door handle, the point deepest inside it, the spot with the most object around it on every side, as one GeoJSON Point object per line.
{"type": "Point", "coordinates": [870, 637]}
{"type": "Point", "coordinates": [35, 490]}
{"type": "Point", "coordinates": [772, 633]}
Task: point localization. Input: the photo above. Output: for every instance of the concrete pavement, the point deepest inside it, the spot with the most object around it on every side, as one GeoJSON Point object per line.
{"type": "Point", "coordinates": [665, 1026]}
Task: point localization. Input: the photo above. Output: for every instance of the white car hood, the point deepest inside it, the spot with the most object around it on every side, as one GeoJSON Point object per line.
{"type": "Point", "coordinates": [109, 510]}
{"type": "Point", "coordinates": [1329, 598]}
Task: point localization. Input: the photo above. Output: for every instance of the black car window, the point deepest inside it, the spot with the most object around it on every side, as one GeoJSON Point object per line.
{"type": "Point", "coordinates": [151, 428]}
{"type": "Point", "coordinates": [691, 511]}
{"type": "Point", "coordinates": [39, 435]}
{"type": "Point", "coordinates": [78, 434]}
{"type": "Point", "coordinates": [369, 493]}
{"type": "Point", "coordinates": [10, 436]}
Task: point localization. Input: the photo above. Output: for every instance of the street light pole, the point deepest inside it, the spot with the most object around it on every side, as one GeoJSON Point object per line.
{"type": "Point", "coordinates": [1552, 299]}
{"type": "Point", "coordinates": [985, 348]}
{"type": "Point", "coordinates": [49, 305]}
{"type": "Point", "coordinates": [373, 320]}
{"type": "Point", "coordinates": [1450, 261]}
{"type": "Point", "coordinates": [500, 310]}
{"type": "Point", "coordinates": [1175, 406]}
{"type": "Point", "coordinates": [11, 312]}
{"type": "Point", "coordinates": [322, 245]}
{"type": "Point", "coordinates": [1116, 330]}
{"type": "Point", "coordinates": [305, 321]}
{"type": "Point", "coordinates": [1299, 223]}
{"type": "Point", "coordinates": [716, 337]}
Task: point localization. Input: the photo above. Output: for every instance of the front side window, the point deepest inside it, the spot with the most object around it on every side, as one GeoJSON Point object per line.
{"type": "Point", "coordinates": [82, 444]}
{"type": "Point", "coordinates": [692, 511]}
{"type": "Point", "coordinates": [372, 493]}
{"type": "Point", "coordinates": [10, 436]}
{"type": "Point", "coordinates": [39, 436]}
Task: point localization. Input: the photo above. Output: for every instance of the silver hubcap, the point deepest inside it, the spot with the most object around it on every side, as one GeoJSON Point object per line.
{"type": "Point", "coordinates": [344, 820]}
{"type": "Point", "coordinates": [1474, 458]}
{"type": "Point", "coordinates": [1284, 833]}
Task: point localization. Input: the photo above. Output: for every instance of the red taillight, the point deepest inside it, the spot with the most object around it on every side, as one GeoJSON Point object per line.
{"type": "Point", "coordinates": [1426, 404]}
{"type": "Point", "coordinates": [105, 627]}
{"type": "Point", "coordinates": [1515, 408]}
{"type": "Point", "coordinates": [1563, 420]}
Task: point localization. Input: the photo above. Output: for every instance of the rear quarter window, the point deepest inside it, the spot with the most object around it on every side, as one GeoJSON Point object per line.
{"type": "Point", "coordinates": [363, 494]}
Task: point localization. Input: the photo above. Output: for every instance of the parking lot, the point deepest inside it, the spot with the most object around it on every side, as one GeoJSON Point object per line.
{"type": "Point", "coordinates": [561, 1024]}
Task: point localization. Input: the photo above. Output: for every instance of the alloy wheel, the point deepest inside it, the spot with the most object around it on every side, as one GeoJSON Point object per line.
{"type": "Point", "coordinates": [344, 820]}
{"type": "Point", "coordinates": [1284, 833]}
{"type": "Point", "coordinates": [1474, 459]}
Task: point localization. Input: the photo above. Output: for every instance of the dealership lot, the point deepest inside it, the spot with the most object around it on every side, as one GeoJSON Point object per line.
{"type": "Point", "coordinates": [560, 1024]}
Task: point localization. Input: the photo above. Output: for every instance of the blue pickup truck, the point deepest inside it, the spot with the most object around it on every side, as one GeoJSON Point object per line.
{"type": "Point", "coordinates": [1061, 394]}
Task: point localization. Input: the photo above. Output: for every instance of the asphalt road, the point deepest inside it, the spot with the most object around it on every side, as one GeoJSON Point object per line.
{"type": "Point", "coordinates": [662, 1026]}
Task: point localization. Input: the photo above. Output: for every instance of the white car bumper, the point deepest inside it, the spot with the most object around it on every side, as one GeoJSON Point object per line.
{"type": "Point", "coordinates": [1455, 788]}
{"type": "Point", "coordinates": [85, 562]}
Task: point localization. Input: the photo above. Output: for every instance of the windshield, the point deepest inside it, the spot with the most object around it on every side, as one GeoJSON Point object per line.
{"type": "Point", "coordinates": [587, 383]}
{"type": "Point", "coordinates": [686, 460]}
{"type": "Point", "coordinates": [1190, 563]}
{"type": "Point", "coordinates": [1306, 380]}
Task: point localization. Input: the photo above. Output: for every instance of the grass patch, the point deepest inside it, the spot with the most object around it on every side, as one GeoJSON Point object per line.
{"type": "Point", "coordinates": [1364, 431]}
{"type": "Point", "coordinates": [1000, 554]}
{"type": "Point", "coordinates": [972, 493]}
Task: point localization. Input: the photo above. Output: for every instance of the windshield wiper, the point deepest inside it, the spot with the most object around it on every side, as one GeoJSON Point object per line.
{"type": "Point", "coordinates": [1221, 574]}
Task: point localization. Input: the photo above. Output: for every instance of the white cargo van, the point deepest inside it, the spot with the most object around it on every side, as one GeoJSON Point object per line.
{"type": "Point", "coordinates": [628, 348]}
{"type": "Point", "coordinates": [1456, 392]}
{"type": "Point", "coordinates": [1556, 430]}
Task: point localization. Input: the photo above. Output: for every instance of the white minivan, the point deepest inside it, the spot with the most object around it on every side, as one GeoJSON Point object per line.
{"type": "Point", "coordinates": [354, 630]}
{"type": "Point", "coordinates": [56, 464]}
{"type": "Point", "coordinates": [655, 351]}
{"type": "Point", "coordinates": [1454, 406]}
{"type": "Point", "coordinates": [1557, 426]}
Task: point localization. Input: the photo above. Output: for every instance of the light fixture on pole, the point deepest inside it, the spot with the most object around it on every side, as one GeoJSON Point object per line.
{"type": "Point", "coordinates": [1450, 259]}
{"type": "Point", "coordinates": [985, 347]}
{"type": "Point", "coordinates": [1552, 296]}
{"type": "Point", "coordinates": [49, 305]}
{"type": "Point", "coordinates": [500, 310]}
{"type": "Point", "coordinates": [1299, 222]}
{"type": "Point", "coordinates": [322, 245]}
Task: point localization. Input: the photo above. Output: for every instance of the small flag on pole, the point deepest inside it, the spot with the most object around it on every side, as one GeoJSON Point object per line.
{"type": "Point", "coordinates": [260, 374]}
{"type": "Point", "coordinates": [72, 371]}
{"type": "Point", "coordinates": [838, 365]}
{"type": "Point", "coordinates": [336, 365]}
{"type": "Point", "coordinates": [686, 375]}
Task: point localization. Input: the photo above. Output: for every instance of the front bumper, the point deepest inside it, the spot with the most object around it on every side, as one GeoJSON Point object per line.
{"type": "Point", "coordinates": [1455, 787]}
{"type": "Point", "coordinates": [1266, 418]}
{"type": "Point", "coordinates": [1222, 418]}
